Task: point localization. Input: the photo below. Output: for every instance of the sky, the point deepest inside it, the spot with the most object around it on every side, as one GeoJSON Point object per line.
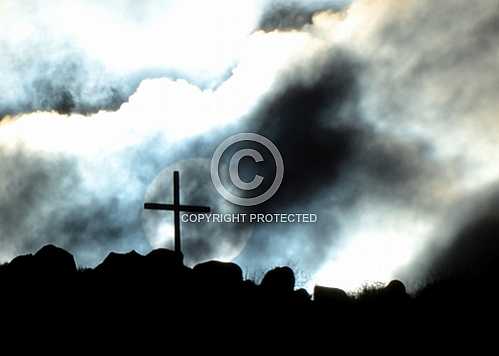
{"type": "Point", "coordinates": [384, 111]}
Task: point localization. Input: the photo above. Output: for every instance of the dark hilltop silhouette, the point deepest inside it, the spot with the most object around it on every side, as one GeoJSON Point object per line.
{"type": "Point", "coordinates": [158, 286]}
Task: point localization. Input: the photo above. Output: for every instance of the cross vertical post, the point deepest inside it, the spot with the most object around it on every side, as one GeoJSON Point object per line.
{"type": "Point", "coordinates": [176, 210]}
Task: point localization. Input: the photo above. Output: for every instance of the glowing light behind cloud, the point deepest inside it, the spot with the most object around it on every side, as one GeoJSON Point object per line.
{"type": "Point", "coordinates": [178, 33]}
{"type": "Point", "coordinates": [379, 243]}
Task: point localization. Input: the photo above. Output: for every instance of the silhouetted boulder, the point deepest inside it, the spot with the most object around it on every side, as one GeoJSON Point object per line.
{"type": "Point", "coordinates": [326, 295]}
{"type": "Point", "coordinates": [396, 291]}
{"type": "Point", "coordinates": [49, 260]}
{"type": "Point", "coordinates": [121, 263]}
{"type": "Point", "coordinates": [219, 273]}
{"type": "Point", "coordinates": [301, 296]}
{"type": "Point", "coordinates": [162, 260]}
{"type": "Point", "coordinates": [395, 288]}
{"type": "Point", "coordinates": [279, 280]}
{"type": "Point", "coordinates": [22, 265]}
{"type": "Point", "coordinates": [53, 259]}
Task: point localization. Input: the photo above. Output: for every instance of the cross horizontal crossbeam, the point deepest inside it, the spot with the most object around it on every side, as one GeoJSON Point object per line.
{"type": "Point", "coordinates": [185, 208]}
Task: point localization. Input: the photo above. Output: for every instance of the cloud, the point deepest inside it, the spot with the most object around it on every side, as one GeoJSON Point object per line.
{"type": "Point", "coordinates": [82, 58]}
{"type": "Point", "coordinates": [286, 15]}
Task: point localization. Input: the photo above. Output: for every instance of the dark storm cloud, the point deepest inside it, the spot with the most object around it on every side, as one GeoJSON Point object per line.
{"type": "Point", "coordinates": [65, 86]}
{"type": "Point", "coordinates": [285, 16]}
{"type": "Point", "coordinates": [69, 83]}
{"type": "Point", "coordinates": [308, 123]}
{"type": "Point", "coordinates": [46, 72]}
{"type": "Point", "coordinates": [320, 133]}
{"type": "Point", "coordinates": [332, 159]}
{"type": "Point", "coordinates": [294, 15]}
{"type": "Point", "coordinates": [313, 120]}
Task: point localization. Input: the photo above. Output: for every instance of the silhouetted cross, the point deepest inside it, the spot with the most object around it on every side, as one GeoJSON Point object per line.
{"type": "Point", "coordinates": [176, 207]}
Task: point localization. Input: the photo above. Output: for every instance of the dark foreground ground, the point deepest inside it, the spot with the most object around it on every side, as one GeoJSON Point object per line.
{"type": "Point", "coordinates": [135, 292]}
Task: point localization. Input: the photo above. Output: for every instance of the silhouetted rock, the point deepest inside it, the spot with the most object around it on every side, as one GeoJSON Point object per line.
{"type": "Point", "coordinates": [53, 259]}
{"type": "Point", "coordinates": [302, 296]}
{"type": "Point", "coordinates": [160, 261]}
{"type": "Point", "coordinates": [49, 260]}
{"type": "Point", "coordinates": [219, 273]}
{"type": "Point", "coordinates": [280, 280]}
{"type": "Point", "coordinates": [326, 295]}
{"type": "Point", "coordinates": [163, 260]}
{"type": "Point", "coordinates": [396, 288]}
{"type": "Point", "coordinates": [121, 263]}
{"type": "Point", "coordinates": [22, 265]}
{"type": "Point", "coordinates": [395, 291]}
